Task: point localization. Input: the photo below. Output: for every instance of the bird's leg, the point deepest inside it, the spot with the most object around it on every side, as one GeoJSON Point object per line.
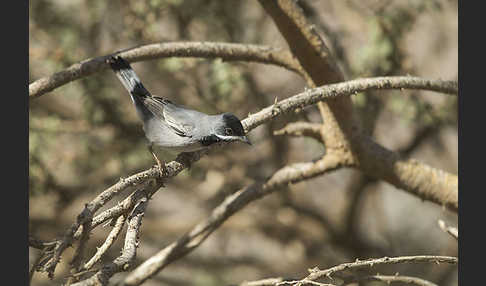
{"type": "Point", "coordinates": [161, 166]}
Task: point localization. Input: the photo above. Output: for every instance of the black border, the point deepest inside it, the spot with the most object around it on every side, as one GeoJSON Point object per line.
{"type": "Point", "coordinates": [14, 24]}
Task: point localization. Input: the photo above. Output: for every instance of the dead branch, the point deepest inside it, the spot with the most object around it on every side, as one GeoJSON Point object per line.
{"type": "Point", "coordinates": [447, 195]}
{"type": "Point", "coordinates": [360, 264]}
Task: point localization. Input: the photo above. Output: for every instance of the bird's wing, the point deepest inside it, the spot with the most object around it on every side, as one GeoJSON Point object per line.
{"type": "Point", "coordinates": [178, 118]}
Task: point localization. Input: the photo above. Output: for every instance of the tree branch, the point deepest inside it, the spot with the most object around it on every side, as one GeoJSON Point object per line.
{"type": "Point", "coordinates": [341, 131]}
{"type": "Point", "coordinates": [91, 208]}
{"type": "Point", "coordinates": [309, 49]}
{"type": "Point", "coordinates": [299, 129]}
{"type": "Point", "coordinates": [287, 175]}
{"type": "Point", "coordinates": [397, 278]}
{"type": "Point", "coordinates": [343, 89]}
{"type": "Point", "coordinates": [110, 239]}
{"type": "Point", "coordinates": [439, 186]}
{"type": "Point", "coordinates": [225, 51]}
{"type": "Point", "coordinates": [344, 270]}
{"type": "Point", "coordinates": [317, 273]}
{"type": "Point", "coordinates": [124, 261]}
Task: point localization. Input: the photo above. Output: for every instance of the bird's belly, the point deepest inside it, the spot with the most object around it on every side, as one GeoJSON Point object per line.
{"type": "Point", "coordinates": [164, 138]}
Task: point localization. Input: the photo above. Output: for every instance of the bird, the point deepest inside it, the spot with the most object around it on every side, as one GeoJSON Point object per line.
{"type": "Point", "coordinates": [171, 126]}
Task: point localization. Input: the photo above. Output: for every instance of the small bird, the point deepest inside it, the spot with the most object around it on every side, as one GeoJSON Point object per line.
{"type": "Point", "coordinates": [171, 126]}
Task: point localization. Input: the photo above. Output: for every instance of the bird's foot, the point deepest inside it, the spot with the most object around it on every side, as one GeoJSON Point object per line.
{"type": "Point", "coordinates": [162, 169]}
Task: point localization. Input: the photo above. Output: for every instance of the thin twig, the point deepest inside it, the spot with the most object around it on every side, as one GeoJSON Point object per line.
{"type": "Point", "coordinates": [119, 209]}
{"type": "Point", "coordinates": [302, 128]}
{"type": "Point", "coordinates": [396, 278]}
{"type": "Point", "coordinates": [303, 282]}
{"type": "Point", "coordinates": [110, 239]}
{"type": "Point", "coordinates": [263, 282]}
{"type": "Point", "coordinates": [317, 273]}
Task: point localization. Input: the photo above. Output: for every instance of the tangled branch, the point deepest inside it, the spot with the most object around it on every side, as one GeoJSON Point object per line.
{"type": "Point", "coordinates": [289, 174]}
{"type": "Point", "coordinates": [124, 261]}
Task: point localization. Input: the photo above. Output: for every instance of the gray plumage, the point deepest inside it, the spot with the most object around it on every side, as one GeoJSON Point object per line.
{"type": "Point", "coordinates": [172, 126]}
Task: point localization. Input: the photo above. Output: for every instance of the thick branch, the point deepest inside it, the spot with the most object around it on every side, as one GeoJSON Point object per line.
{"type": "Point", "coordinates": [415, 177]}
{"type": "Point", "coordinates": [287, 175]}
{"type": "Point", "coordinates": [341, 130]}
{"type": "Point", "coordinates": [225, 51]}
{"type": "Point", "coordinates": [314, 57]}
{"type": "Point", "coordinates": [326, 92]}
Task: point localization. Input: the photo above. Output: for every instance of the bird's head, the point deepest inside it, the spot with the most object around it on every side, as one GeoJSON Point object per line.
{"type": "Point", "coordinates": [228, 128]}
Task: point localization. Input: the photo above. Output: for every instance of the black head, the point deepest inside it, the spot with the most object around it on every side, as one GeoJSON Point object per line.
{"type": "Point", "coordinates": [229, 128]}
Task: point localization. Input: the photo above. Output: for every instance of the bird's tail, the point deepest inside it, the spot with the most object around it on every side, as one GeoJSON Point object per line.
{"type": "Point", "coordinates": [128, 78]}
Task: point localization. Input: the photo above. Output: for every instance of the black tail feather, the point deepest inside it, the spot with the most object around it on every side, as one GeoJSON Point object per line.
{"type": "Point", "coordinates": [127, 76]}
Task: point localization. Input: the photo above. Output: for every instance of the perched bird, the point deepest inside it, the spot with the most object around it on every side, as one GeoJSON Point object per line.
{"type": "Point", "coordinates": [171, 126]}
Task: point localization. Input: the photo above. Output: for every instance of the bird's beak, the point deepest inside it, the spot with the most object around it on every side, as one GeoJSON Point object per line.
{"type": "Point", "coordinates": [244, 139]}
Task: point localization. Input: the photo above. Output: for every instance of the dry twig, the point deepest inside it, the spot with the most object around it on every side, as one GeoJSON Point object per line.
{"type": "Point", "coordinates": [360, 264]}
{"type": "Point", "coordinates": [110, 239]}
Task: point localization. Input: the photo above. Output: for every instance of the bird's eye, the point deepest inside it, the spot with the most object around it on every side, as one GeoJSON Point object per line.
{"type": "Point", "coordinates": [228, 131]}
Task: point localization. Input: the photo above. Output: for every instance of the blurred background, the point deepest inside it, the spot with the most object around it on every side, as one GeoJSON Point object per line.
{"type": "Point", "coordinates": [85, 135]}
